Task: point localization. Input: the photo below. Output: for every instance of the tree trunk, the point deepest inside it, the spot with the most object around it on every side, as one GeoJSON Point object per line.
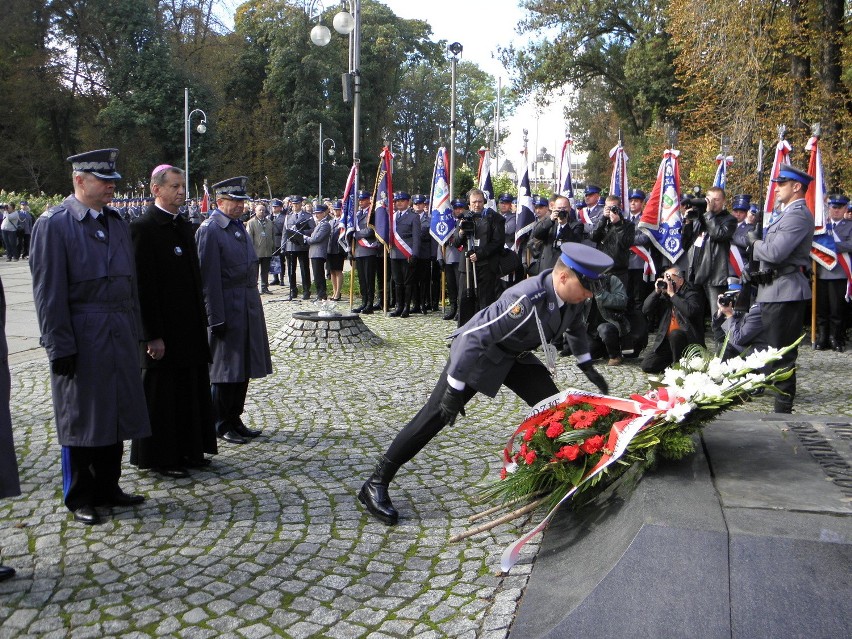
{"type": "Point", "coordinates": [800, 67]}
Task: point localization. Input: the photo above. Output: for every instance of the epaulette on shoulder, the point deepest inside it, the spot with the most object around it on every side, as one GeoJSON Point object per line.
{"type": "Point", "coordinates": [537, 294]}
{"type": "Point", "coordinates": [53, 210]}
{"type": "Point", "coordinates": [206, 222]}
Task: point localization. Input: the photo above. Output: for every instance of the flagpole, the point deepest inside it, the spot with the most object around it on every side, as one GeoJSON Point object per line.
{"type": "Point", "coordinates": [455, 48]}
{"type": "Point", "coordinates": [816, 130]}
{"type": "Point", "coordinates": [527, 247]}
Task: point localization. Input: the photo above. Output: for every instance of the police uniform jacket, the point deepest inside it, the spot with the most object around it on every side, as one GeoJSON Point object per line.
{"type": "Point", "coordinates": [740, 238]}
{"type": "Point", "coordinates": [511, 224]}
{"type": "Point", "coordinates": [786, 249]}
{"type": "Point", "coordinates": [318, 241]}
{"type": "Point", "coordinates": [333, 247]}
{"type": "Point", "coordinates": [278, 226]}
{"type": "Point", "coordinates": [745, 330]}
{"type": "Point", "coordinates": [842, 231]}
{"type": "Point", "coordinates": [301, 222]}
{"type": "Point", "coordinates": [634, 262]}
{"type": "Point", "coordinates": [407, 228]}
{"type": "Point", "coordinates": [451, 255]}
{"type": "Point", "coordinates": [85, 292]}
{"type": "Point", "coordinates": [262, 235]}
{"type": "Point", "coordinates": [425, 235]}
{"type": "Point", "coordinates": [594, 214]}
{"type": "Point", "coordinates": [688, 308]}
{"type": "Point", "coordinates": [366, 244]}
{"type": "Point", "coordinates": [170, 299]}
{"type": "Point", "coordinates": [229, 277]}
{"type": "Point", "coordinates": [9, 481]}
{"type": "Point", "coordinates": [711, 261]}
{"type": "Point", "coordinates": [502, 334]}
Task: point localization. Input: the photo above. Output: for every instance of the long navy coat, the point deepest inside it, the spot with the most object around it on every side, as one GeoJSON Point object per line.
{"type": "Point", "coordinates": [9, 482]}
{"type": "Point", "coordinates": [229, 277]}
{"type": "Point", "coordinates": [84, 286]}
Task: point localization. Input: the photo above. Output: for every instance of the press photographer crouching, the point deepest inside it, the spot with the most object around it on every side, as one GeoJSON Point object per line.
{"type": "Point", "coordinates": [679, 306]}
{"type": "Point", "coordinates": [742, 330]}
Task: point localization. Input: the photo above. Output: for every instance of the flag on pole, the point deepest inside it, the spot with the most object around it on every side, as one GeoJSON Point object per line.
{"type": "Point", "coordinates": [566, 185]}
{"type": "Point", "coordinates": [661, 218]}
{"type": "Point", "coordinates": [205, 201]}
{"type": "Point", "coordinates": [347, 226]}
{"type": "Point", "coordinates": [618, 182]}
{"type": "Point", "coordinates": [483, 176]}
{"type": "Point", "coordinates": [526, 214]}
{"type": "Point", "coordinates": [381, 215]}
{"type": "Point", "coordinates": [815, 195]}
{"type": "Point", "coordinates": [722, 164]}
{"type": "Point", "coordinates": [442, 224]}
{"type": "Point", "coordinates": [782, 156]}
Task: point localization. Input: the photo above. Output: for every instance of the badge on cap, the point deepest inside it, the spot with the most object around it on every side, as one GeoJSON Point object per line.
{"type": "Point", "coordinates": [517, 311]}
{"type": "Point", "coordinates": [178, 251]}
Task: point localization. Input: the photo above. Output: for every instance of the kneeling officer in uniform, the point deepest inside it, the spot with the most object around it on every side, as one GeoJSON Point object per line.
{"type": "Point", "coordinates": [493, 349]}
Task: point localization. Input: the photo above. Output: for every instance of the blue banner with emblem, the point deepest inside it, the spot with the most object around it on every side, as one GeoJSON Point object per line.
{"type": "Point", "coordinates": [443, 222]}
{"type": "Point", "coordinates": [380, 217]}
{"type": "Point", "coordinates": [348, 218]}
{"type": "Point", "coordinates": [661, 218]}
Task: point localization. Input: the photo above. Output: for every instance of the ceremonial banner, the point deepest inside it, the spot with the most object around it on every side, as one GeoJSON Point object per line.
{"type": "Point", "coordinates": [347, 221]}
{"type": "Point", "coordinates": [618, 182]}
{"type": "Point", "coordinates": [483, 176]}
{"type": "Point", "coordinates": [443, 222]}
{"type": "Point", "coordinates": [566, 185]}
{"type": "Point", "coordinates": [722, 162]}
{"type": "Point", "coordinates": [205, 201]}
{"type": "Point", "coordinates": [381, 217]}
{"type": "Point", "coordinates": [526, 214]}
{"type": "Point", "coordinates": [661, 218]}
{"type": "Point", "coordinates": [782, 156]}
{"type": "Point", "coordinates": [823, 250]}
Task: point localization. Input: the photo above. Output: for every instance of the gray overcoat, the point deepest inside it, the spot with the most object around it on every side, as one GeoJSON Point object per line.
{"type": "Point", "coordinates": [84, 286]}
{"type": "Point", "coordinates": [787, 247]}
{"type": "Point", "coordinates": [229, 277]}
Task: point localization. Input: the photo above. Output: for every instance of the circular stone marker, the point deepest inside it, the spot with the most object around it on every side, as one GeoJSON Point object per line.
{"type": "Point", "coordinates": [307, 330]}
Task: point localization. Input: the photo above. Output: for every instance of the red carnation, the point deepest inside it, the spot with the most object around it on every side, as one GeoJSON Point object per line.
{"type": "Point", "coordinates": [528, 434]}
{"type": "Point", "coordinates": [603, 411]}
{"type": "Point", "coordinates": [523, 450]}
{"type": "Point", "coordinates": [555, 430]}
{"type": "Point", "coordinates": [503, 473]}
{"type": "Point", "coordinates": [592, 444]}
{"type": "Point", "coordinates": [530, 458]}
{"type": "Point", "coordinates": [569, 452]}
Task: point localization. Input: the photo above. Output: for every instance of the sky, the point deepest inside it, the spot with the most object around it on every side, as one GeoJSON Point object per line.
{"type": "Point", "coordinates": [481, 27]}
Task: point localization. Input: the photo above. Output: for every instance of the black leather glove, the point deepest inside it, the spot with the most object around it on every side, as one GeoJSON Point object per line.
{"type": "Point", "coordinates": [594, 377]}
{"type": "Point", "coordinates": [219, 330]}
{"type": "Point", "coordinates": [64, 365]}
{"type": "Point", "coordinates": [452, 403]}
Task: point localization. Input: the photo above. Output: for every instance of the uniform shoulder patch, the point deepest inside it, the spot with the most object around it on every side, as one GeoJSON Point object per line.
{"type": "Point", "coordinates": [206, 222]}
{"type": "Point", "coordinates": [537, 294]}
{"type": "Point", "coordinates": [49, 213]}
{"type": "Point", "coordinates": [517, 311]}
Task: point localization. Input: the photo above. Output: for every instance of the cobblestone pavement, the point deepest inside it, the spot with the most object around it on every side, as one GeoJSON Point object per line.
{"type": "Point", "coordinates": [269, 540]}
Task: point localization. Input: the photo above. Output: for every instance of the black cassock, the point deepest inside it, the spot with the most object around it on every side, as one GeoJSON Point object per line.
{"type": "Point", "coordinates": [177, 387]}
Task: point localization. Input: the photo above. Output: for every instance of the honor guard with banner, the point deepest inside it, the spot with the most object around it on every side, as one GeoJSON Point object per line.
{"type": "Point", "coordinates": [784, 277]}
{"type": "Point", "coordinates": [404, 252]}
{"type": "Point", "coordinates": [85, 292]}
{"type": "Point", "coordinates": [236, 326]}
{"type": "Point", "coordinates": [494, 349]}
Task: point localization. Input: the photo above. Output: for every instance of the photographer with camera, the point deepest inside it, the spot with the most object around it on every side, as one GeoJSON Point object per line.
{"type": "Point", "coordinates": [713, 228]}
{"type": "Point", "coordinates": [534, 245]}
{"type": "Point", "coordinates": [742, 329]}
{"type": "Point", "coordinates": [481, 235]}
{"type": "Point", "coordinates": [554, 229]}
{"type": "Point", "coordinates": [613, 235]}
{"type": "Point", "coordinates": [680, 309]}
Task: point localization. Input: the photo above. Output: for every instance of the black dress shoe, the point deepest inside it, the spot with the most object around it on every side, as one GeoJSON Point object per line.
{"type": "Point", "coordinates": [306, 297]}
{"type": "Point", "coordinates": [358, 309]}
{"type": "Point", "coordinates": [405, 312]}
{"type": "Point", "coordinates": [121, 498]}
{"type": "Point", "coordinates": [197, 463]}
{"type": "Point", "coordinates": [6, 573]}
{"type": "Point", "coordinates": [377, 502]}
{"type": "Point", "coordinates": [395, 313]}
{"type": "Point", "coordinates": [242, 429]}
{"type": "Point", "coordinates": [367, 311]}
{"type": "Point", "coordinates": [87, 515]}
{"type": "Point", "coordinates": [175, 472]}
{"type": "Point", "coordinates": [377, 307]}
{"type": "Point", "coordinates": [415, 309]}
{"type": "Point", "coordinates": [232, 437]}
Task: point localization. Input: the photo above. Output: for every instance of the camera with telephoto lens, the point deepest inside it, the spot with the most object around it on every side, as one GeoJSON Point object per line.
{"type": "Point", "coordinates": [694, 205]}
{"type": "Point", "coordinates": [661, 286]}
{"type": "Point", "coordinates": [562, 214]}
{"type": "Point", "coordinates": [728, 298]}
{"type": "Point", "coordinates": [467, 222]}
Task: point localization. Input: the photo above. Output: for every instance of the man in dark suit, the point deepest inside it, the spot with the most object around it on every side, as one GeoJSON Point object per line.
{"type": "Point", "coordinates": [174, 327]}
{"type": "Point", "coordinates": [783, 285]}
{"type": "Point", "coordinates": [9, 482]}
{"type": "Point", "coordinates": [494, 349]}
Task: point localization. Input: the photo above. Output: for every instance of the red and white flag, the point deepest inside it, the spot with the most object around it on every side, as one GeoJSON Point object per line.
{"type": "Point", "coordinates": [782, 156]}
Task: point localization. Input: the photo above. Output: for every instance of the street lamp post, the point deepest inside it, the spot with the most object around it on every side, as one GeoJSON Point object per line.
{"type": "Point", "coordinates": [495, 122]}
{"type": "Point", "coordinates": [187, 125]}
{"type": "Point", "coordinates": [455, 49]}
{"type": "Point", "coordinates": [331, 152]}
{"type": "Point", "coordinates": [346, 23]}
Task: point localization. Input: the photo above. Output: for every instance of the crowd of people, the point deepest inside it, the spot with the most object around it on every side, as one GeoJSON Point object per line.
{"type": "Point", "coordinates": [155, 327]}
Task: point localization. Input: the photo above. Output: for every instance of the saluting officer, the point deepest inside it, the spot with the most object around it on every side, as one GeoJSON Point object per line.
{"type": "Point", "coordinates": [405, 249]}
{"type": "Point", "coordinates": [783, 286]}
{"type": "Point", "coordinates": [236, 326]}
{"type": "Point", "coordinates": [84, 287]}
{"type": "Point", "coordinates": [493, 350]}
